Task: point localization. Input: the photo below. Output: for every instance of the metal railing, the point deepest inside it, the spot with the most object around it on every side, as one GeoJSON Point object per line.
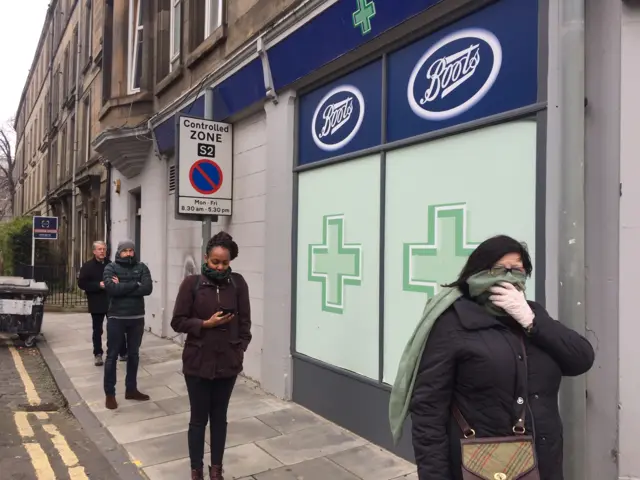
{"type": "Point", "coordinates": [62, 283]}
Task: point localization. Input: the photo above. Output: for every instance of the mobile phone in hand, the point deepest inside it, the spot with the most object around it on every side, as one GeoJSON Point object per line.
{"type": "Point", "coordinates": [228, 311]}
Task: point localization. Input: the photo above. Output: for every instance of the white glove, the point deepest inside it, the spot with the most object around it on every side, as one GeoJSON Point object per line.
{"type": "Point", "coordinates": [511, 300]}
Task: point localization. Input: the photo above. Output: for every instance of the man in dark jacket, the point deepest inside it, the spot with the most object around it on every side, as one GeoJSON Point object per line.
{"type": "Point", "coordinates": [127, 282]}
{"type": "Point", "coordinates": [90, 280]}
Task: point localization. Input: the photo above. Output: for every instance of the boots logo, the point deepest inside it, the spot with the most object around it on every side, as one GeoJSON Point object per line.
{"type": "Point", "coordinates": [337, 118]}
{"type": "Point", "coordinates": [454, 74]}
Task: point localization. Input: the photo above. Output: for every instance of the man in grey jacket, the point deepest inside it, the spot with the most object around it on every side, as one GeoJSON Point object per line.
{"type": "Point", "coordinates": [127, 281]}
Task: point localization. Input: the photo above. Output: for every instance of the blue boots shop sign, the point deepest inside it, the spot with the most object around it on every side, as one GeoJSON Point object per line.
{"type": "Point", "coordinates": [338, 118]}
{"type": "Point", "coordinates": [467, 58]}
{"type": "Point", "coordinates": [482, 65]}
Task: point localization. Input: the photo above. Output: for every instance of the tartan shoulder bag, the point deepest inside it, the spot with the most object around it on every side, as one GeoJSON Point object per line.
{"type": "Point", "coordinates": [499, 458]}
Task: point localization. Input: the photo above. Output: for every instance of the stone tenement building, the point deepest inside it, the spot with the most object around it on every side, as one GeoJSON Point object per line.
{"type": "Point", "coordinates": [57, 170]}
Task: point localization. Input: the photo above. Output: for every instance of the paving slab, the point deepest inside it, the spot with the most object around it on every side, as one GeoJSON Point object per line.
{"type": "Point", "coordinates": [160, 450]}
{"type": "Point", "coordinates": [316, 469]}
{"type": "Point", "coordinates": [310, 443]}
{"type": "Point", "coordinates": [248, 430]}
{"type": "Point", "coordinates": [246, 460]}
{"type": "Point", "coordinates": [291, 419]}
{"type": "Point", "coordinates": [174, 405]}
{"type": "Point", "coordinates": [369, 462]}
{"type": "Point", "coordinates": [130, 414]}
{"type": "Point", "coordinates": [155, 427]}
{"type": "Point", "coordinates": [169, 470]}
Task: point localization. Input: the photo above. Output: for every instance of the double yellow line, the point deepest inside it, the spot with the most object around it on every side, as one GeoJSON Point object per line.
{"type": "Point", "coordinates": [37, 455]}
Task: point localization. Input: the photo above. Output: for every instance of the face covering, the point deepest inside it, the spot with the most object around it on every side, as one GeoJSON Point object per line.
{"type": "Point", "coordinates": [480, 283]}
{"type": "Point", "coordinates": [126, 260]}
{"type": "Point", "coordinates": [215, 275]}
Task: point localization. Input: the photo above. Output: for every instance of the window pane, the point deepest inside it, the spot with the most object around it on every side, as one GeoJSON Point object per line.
{"type": "Point", "coordinates": [175, 28]}
{"type": "Point", "coordinates": [138, 65]}
{"type": "Point", "coordinates": [417, 259]}
{"type": "Point", "coordinates": [214, 15]}
{"type": "Point", "coordinates": [338, 274]}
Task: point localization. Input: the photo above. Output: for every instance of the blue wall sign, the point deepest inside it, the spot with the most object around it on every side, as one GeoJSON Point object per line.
{"type": "Point", "coordinates": [484, 64]}
{"type": "Point", "coordinates": [341, 117]}
{"type": "Point", "coordinates": [45, 228]}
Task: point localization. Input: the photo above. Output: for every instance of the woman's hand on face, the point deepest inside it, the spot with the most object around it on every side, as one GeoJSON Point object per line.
{"type": "Point", "coordinates": [217, 319]}
{"type": "Point", "coordinates": [512, 301]}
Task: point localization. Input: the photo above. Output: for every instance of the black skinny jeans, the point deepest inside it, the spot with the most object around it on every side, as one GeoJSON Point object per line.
{"type": "Point", "coordinates": [209, 401]}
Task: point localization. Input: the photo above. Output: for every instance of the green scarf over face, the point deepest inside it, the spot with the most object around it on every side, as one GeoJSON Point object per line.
{"type": "Point", "coordinates": [215, 275]}
{"type": "Point", "coordinates": [479, 285]}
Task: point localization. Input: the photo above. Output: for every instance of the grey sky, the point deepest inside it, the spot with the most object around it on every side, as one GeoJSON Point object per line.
{"type": "Point", "coordinates": [20, 25]}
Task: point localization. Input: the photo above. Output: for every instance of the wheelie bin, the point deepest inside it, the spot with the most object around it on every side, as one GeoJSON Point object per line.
{"type": "Point", "coordinates": [22, 307]}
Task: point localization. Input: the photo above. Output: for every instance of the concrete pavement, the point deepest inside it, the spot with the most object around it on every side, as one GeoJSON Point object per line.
{"type": "Point", "coordinates": [268, 439]}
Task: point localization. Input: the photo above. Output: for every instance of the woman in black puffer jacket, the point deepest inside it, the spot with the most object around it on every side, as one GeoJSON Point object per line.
{"type": "Point", "coordinates": [473, 359]}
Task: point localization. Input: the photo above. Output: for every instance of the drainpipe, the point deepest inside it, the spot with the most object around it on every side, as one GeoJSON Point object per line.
{"type": "Point", "coordinates": [50, 103]}
{"type": "Point", "coordinates": [75, 149]}
{"type": "Point", "coordinates": [567, 118]}
{"type": "Point", "coordinates": [164, 243]}
{"type": "Point", "coordinates": [107, 207]}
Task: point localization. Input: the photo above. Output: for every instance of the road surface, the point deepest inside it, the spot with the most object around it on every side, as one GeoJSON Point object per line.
{"type": "Point", "coordinates": [40, 438]}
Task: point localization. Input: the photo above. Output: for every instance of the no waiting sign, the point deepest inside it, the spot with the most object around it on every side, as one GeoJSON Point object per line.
{"type": "Point", "coordinates": [205, 167]}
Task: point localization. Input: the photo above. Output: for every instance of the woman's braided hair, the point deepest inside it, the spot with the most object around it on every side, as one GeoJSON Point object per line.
{"type": "Point", "coordinates": [224, 240]}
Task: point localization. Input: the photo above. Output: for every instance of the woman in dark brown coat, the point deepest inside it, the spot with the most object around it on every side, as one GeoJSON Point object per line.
{"type": "Point", "coordinates": [213, 310]}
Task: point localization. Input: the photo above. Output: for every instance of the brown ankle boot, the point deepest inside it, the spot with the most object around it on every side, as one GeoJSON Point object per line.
{"type": "Point", "coordinates": [111, 402]}
{"type": "Point", "coordinates": [215, 472]}
{"type": "Point", "coordinates": [197, 474]}
{"type": "Point", "coordinates": [136, 395]}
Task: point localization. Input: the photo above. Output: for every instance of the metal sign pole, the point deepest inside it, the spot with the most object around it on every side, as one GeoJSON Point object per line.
{"type": "Point", "coordinates": [206, 221]}
{"type": "Point", "coordinates": [33, 248]}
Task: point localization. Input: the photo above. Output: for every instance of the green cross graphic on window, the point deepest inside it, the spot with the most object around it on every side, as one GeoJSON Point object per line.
{"type": "Point", "coordinates": [335, 264]}
{"type": "Point", "coordinates": [363, 15]}
{"type": "Point", "coordinates": [426, 266]}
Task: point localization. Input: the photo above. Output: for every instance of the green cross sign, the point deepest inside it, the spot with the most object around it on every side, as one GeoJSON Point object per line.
{"type": "Point", "coordinates": [426, 266]}
{"type": "Point", "coordinates": [335, 264]}
{"type": "Point", "coordinates": [363, 15]}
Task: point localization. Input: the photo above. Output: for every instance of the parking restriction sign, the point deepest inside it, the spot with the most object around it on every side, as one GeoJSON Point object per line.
{"type": "Point", "coordinates": [205, 167]}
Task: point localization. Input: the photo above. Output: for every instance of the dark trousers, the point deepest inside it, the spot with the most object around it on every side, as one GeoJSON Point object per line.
{"type": "Point", "coordinates": [209, 401]}
{"type": "Point", "coordinates": [97, 320]}
{"type": "Point", "coordinates": [118, 331]}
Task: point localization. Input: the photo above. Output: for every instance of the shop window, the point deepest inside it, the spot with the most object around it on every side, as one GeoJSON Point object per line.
{"type": "Point", "coordinates": [136, 39]}
{"type": "Point", "coordinates": [337, 317]}
{"type": "Point", "coordinates": [432, 226]}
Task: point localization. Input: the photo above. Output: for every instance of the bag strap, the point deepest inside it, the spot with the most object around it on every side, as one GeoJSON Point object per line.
{"type": "Point", "coordinates": [519, 427]}
{"type": "Point", "coordinates": [196, 287]}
